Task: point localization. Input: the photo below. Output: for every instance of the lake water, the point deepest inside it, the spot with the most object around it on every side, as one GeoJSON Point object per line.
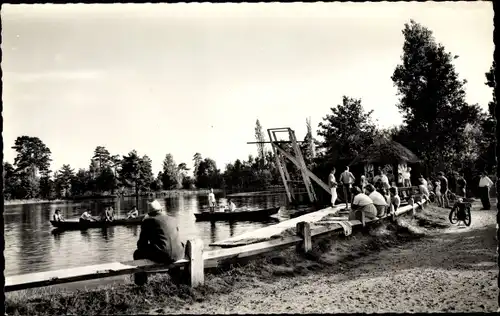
{"type": "Point", "coordinates": [32, 246]}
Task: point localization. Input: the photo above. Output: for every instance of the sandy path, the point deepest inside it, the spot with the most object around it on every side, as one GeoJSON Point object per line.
{"type": "Point", "coordinates": [451, 270]}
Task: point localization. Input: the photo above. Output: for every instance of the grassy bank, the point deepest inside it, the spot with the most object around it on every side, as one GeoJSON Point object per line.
{"type": "Point", "coordinates": [329, 254]}
{"type": "Point", "coordinates": [159, 194]}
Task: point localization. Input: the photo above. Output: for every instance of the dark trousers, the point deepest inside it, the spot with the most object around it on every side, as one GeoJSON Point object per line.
{"type": "Point", "coordinates": [150, 253]}
{"type": "Point", "coordinates": [484, 193]}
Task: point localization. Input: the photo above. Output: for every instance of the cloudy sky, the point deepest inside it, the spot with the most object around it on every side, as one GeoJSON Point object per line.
{"type": "Point", "coordinates": [187, 78]}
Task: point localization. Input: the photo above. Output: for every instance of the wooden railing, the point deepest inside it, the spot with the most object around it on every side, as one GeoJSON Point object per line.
{"type": "Point", "coordinates": [196, 259]}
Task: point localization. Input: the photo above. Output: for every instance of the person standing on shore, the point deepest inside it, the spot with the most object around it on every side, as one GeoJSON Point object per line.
{"type": "Point", "coordinates": [332, 182]}
{"type": "Point", "coordinates": [444, 189]}
{"type": "Point", "coordinates": [347, 179]}
{"type": "Point", "coordinates": [461, 185]}
{"type": "Point", "coordinates": [485, 184]}
{"type": "Point", "coordinates": [158, 241]}
{"type": "Point", "coordinates": [211, 200]}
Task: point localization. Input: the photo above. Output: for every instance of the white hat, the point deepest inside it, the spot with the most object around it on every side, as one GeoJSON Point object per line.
{"type": "Point", "coordinates": [156, 205]}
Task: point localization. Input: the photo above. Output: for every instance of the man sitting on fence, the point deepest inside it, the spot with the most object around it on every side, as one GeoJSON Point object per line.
{"type": "Point", "coordinates": [362, 203]}
{"type": "Point", "coordinates": [378, 199]}
{"type": "Point", "coordinates": [158, 241]}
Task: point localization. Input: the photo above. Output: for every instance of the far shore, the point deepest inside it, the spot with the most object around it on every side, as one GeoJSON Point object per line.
{"type": "Point", "coordinates": [159, 194]}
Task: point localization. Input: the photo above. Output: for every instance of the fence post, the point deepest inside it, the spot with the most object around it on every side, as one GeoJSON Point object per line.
{"type": "Point", "coordinates": [194, 253]}
{"type": "Point", "coordinates": [304, 231]}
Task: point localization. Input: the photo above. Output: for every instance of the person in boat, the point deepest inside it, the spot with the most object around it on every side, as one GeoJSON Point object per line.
{"type": "Point", "coordinates": [362, 203]}
{"type": "Point", "coordinates": [58, 217]}
{"type": "Point", "coordinates": [231, 207]}
{"type": "Point", "coordinates": [86, 217]}
{"type": "Point", "coordinates": [347, 179]}
{"type": "Point", "coordinates": [158, 241]}
{"type": "Point", "coordinates": [108, 215]}
{"type": "Point", "coordinates": [333, 186]}
{"type": "Point", "coordinates": [378, 199]}
{"type": "Point", "coordinates": [211, 200]}
{"type": "Point", "coordinates": [133, 213]}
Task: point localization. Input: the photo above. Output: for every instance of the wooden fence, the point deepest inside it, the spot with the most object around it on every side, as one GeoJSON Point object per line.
{"type": "Point", "coordinates": [196, 260]}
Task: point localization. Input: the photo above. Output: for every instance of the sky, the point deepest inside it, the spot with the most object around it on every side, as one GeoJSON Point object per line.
{"type": "Point", "coordinates": [187, 78]}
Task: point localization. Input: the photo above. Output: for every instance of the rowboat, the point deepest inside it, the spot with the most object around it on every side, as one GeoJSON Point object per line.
{"type": "Point", "coordinates": [242, 214]}
{"type": "Point", "coordinates": [76, 224]}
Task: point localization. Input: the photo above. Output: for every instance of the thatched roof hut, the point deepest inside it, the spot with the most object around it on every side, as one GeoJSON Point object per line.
{"type": "Point", "coordinates": [385, 151]}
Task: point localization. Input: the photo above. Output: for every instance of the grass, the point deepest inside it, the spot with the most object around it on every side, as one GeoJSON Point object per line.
{"type": "Point", "coordinates": [328, 254]}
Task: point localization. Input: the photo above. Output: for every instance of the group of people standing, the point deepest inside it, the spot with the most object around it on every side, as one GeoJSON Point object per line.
{"type": "Point", "coordinates": [375, 200]}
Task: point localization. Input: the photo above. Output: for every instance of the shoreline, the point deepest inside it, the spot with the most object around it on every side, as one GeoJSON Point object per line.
{"type": "Point", "coordinates": [337, 267]}
{"type": "Point", "coordinates": [159, 194]}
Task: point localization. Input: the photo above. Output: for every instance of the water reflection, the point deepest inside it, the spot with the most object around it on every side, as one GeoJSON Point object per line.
{"type": "Point", "coordinates": [33, 245]}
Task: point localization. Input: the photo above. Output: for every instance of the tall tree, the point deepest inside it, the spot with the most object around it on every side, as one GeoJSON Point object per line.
{"type": "Point", "coordinates": [64, 179]}
{"type": "Point", "coordinates": [259, 137]}
{"type": "Point", "coordinates": [487, 143]}
{"type": "Point", "coordinates": [136, 172]}
{"type": "Point", "coordinates": [102, 157]}
{"type": "Point", "coordinates": [11, 182]}
{"type": "Point", "coordinates": [170, 173]}
{"type": "Point", "coordinates": [207, 174]}
{"type": "Point", "coordinates": [33, 156]}
{"type": "Point", "coordinates": [346, 131]}
{"type": "Point", "coordinates": [432, 100]}
{"type": "Point", "coordinates": [197, 159]}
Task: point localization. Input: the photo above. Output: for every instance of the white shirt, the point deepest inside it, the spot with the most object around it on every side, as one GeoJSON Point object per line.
{"type": "Point", "coordinates": [485, 182]}
{"type": "Point", "coordinates": [232, 207]}
{"type": "Point", "coordinates": [57, 217]}
{"type": "Point", "coordinates": [211, 197]}
{"type": "Point", "coordinates": [362, 200]}
{"type": "Point", "coordinates": [424, 182]}
{"type": "Point", "coordinates": [384, 179]}
{"type": "Point", "coordinates": [86, 215]}
{"type": "Point", "coordinates": [377, 198]}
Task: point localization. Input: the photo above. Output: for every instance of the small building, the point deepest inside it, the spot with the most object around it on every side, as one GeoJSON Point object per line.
{"type": "Point", "coordinates": [390, 156]}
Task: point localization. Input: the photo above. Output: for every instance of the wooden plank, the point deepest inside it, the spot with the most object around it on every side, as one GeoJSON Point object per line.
{"type": "Point", "coordinates": [280, 168]}
{"type": "Point", "coordinates": [194, 252]}
{"type": "Point", "coordinates": [31, 280]}
{"type": "Point", "coordinates": [304, 232]}
{"type": "Point", "coordinates": [267, 232]}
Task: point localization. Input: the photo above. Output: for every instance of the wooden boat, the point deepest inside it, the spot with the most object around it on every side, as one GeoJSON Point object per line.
{"type": "Point", "coordinates": [76, 225]}
{"type": "Point", "coordinates": [238, 214]}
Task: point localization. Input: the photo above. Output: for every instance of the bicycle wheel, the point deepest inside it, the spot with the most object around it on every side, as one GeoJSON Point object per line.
{"type": "Point", "coordinates": [453, 216]}
{"type": "Point", "coordinates": [468, 217]}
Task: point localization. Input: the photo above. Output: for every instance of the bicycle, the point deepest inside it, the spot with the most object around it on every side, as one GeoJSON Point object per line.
{"type": "Point", "coordinates": [461, 211]}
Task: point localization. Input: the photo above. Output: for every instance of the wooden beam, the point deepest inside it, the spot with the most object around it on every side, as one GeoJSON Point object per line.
{"type": "Point", "coordinates": [304, 232]}
{"type": "Point", "coordinates": [40, 279]}
{"type": "Point", "coordinates": [278, 164]}
{"type": "Point", "coordinates": [309, 173]}
{"type": "Point", "coordinates": [303, 167]}
{"type": "Point", "coordinates": [194, 253]}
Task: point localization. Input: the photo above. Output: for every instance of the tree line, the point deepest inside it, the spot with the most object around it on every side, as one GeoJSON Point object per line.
{"type": "Point", "coordinates": [439, 126]}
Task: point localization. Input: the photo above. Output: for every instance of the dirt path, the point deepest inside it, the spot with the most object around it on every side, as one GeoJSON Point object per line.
{"type": "Point", "coordinates": [450, 270]}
